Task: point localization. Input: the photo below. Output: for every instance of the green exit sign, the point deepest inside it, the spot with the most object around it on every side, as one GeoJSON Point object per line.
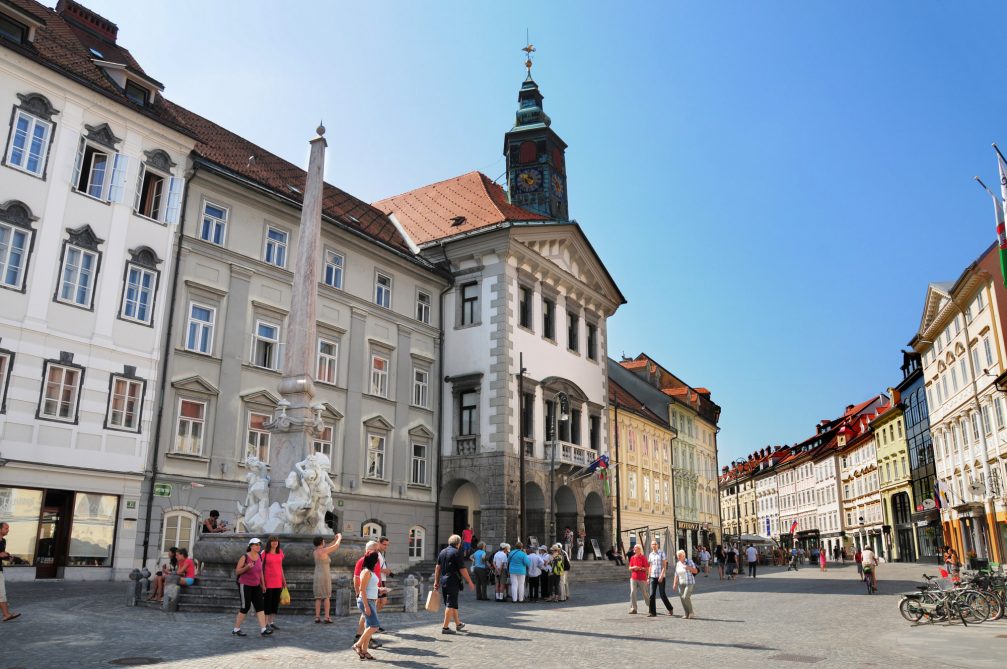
{"type": "Point", "coordinates": [162, 489]}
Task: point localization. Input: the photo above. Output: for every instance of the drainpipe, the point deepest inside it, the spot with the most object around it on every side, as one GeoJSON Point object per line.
{"type": "Point", "coordinates": [618, 477]}
{"type": "Point", "coordinates": [156, 449]}
{"type": "Point", "coordinates": [440, 414]}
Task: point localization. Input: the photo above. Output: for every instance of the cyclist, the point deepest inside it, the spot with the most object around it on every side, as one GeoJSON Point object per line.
{"type": "Point", "coordinates": [870, 565]}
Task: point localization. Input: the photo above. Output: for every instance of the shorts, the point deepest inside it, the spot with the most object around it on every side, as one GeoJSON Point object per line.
{"type": "Point", "coordinates": [3, 589]}
{"type": "Point", "coordinates": [251, 596]}
{"type": "Point", "coordinates": [450, 595]}
{"type": "Point", "coordinates": [370, 620]}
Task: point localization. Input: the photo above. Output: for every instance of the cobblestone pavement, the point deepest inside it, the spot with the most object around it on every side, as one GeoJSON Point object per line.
{"type": "Point", "coordinates": [780, 619]}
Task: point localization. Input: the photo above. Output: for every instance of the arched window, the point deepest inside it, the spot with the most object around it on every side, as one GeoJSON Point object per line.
{"type": "Point", "coordinates": [178, 529]}
{"type": "Point", "coordinates": [372, 530]}
{"type": "Point", "coordinates": [417, 538]}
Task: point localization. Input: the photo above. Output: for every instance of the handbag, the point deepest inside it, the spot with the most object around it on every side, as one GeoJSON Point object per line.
{"type": "Point", "coordinates": [284, 597]}
{"type": "Point", "coordinates": [433, 601]}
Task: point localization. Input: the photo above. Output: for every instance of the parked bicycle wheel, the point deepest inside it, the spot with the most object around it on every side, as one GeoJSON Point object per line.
{"type": "Point", "coordinates": [911, 609]}
{"type": "Point", "coordinates": [974, 606]}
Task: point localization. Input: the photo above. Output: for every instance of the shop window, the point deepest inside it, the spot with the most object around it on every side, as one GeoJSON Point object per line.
{"type": "Point", "coordinates": [177, 530]}
{"type": "Point", "coordinates": [19, 508]}
{"type": "Point", "coordinates": [93, 531]}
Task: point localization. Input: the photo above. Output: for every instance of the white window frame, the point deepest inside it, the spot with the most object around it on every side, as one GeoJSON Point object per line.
{"type": "Point", "coordinates": [129, 401]}
{"type": "Point", "coordinates": [332, 270]}
{"type": "Point", "coordinates": [421, 388]}
{"type": "Point", "coordinates": [6, 362]}
{"type": "Point", "coordinates": [632, 485]}
{"type": "Point", "coordinates": [187, 422]}
{"type": "Point", "coordinates": [274, 248]}
{"type": "Point", "coordinates": [169, 199]}
{"type": "Point", "coordinates": [72, 284]}
{"type": "Point", "coordinates": [61, 394]}
{"type": "Point", "coordinates": [263, 340]}
{"type": "Point", "coordinates": [383, 289]}
{"type": "Point", "coordinates": [327, 368]}
{"type": "Point", "coordinates": [203, 330]}
{"type": "Point", "coordinates": [416, 543]}
{"type": "Point", "coordinates": [176, 538]}
{"type": "Point", "coordinates": [324, 442]}
{"type": "Point", "coordinates": [470, 304]}
{"type": "Point", "coordinates": [213, 228]}
{"type": "Point", "coordinates": [257, 436]}
{"type": "Point", "coordinates": [28, 138]}
{"type": "Point", "coordinates": [150, 291]}
{"type": "Point", "coordinates": [379, 377]}
{"type": "Point", "coordinates": [110, 184]}
{"type": "Point", "coordinates": [419, 465]}
{"type": "Point", "coordinates": [9, 249]}
{"type": "Point", "coordinates": [377, 450]}
{"type": "Point", "coordinates": [424, 300]}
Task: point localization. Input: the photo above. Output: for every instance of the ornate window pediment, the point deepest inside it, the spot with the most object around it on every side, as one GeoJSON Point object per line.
{"type": "Point", "coordinates": [84, 237]}
{"type": "Point", "coordinates": [159, 160]}
{"type": "Point", "coordinates": [102, 134]}
{"type": "Point", "coordinates": [378, 423]}
{"type": "Point", "coordinates": [195, 384]}
{"type": "Point", "coordinates": [260, 396]}
{"type": "Point", "coordinates": [38, 105]}
{"type": "Point", "coordinates": [17, 213]}
{"type": "Point", "coordinates": [421, 432]}
{"type": "Point", "coordinates": [145, 257]}
{"type": "Point", "coordinates": [331, 412]}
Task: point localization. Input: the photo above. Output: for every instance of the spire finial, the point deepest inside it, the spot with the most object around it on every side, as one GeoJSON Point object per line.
{"type": "Point", "coordinates": [529, 49]}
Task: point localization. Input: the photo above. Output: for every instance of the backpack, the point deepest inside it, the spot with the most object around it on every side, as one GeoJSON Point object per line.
{"type": "Point", "coordinates": [558, 567]}
{"type": "Point", "coordinates": [566, 563]}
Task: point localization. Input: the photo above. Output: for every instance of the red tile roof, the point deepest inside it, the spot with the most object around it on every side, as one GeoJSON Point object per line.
{"type": "Point", "coordinates": [454, 206]}
{"type": "Point", "coordinates": [629, 402]}
{"type": "Point", "coordinates": [222, 147]}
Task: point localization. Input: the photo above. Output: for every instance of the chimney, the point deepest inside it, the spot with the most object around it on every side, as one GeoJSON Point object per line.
{"type": "Point", "coordinates": [83, 17]}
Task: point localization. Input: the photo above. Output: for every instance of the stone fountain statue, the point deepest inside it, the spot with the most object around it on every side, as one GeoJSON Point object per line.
{"type": "Point", "coordinates": [310, 496]}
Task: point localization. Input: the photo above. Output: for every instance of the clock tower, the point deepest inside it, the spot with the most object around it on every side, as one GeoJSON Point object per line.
{"type": "Point", "coordinates": [536, 168]}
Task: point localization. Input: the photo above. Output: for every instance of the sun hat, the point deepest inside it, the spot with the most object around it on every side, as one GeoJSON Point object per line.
{"type": "Point", "coordinates": [253, 541]}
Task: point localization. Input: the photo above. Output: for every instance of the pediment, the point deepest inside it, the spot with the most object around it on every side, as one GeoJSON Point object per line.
{"type": "Point", "coordinates": [938, 297]}
{"type": "Point", "coordinates": [565, 250]}
{"type": "Point", "coordinates": [378, 422]}
{"type": "Point", "coordinates": [421, 431]}
{"type": "Point", "coordinates": [194, 384]}
{"type": "Point", "coordinates": [260, 396]}
{"type": "Point", "coordinates": [331, 412]}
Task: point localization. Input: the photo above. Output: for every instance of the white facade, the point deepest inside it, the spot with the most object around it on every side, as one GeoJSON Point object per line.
{"type": "Point", "coordinates": [827, 500]}
{"type": "Point", "coordinates": [767, 499]}
{"type": "Point", "coordinates": [84, 293]}
{"type": "Point", "coordinates": [862, 512]}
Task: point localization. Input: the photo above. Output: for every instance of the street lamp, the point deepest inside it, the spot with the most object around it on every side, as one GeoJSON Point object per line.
{"type": "Point", "coordinates": [563, 414]}
{"type": "Point", "coordinates": [738, 464]}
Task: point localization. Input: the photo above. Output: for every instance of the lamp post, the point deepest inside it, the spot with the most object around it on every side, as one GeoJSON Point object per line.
{"type": "Point", "coordinates": [558, 413]}
{"type": "Point", "coordinates": [522, 510]}
{"type": "Point", "coordinates": [737, 464]}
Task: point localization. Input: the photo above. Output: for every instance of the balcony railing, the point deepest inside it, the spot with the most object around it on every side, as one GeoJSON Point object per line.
{"type": "Point", "coordinates": [467, 444]}
{"type": "Point", "coordinates": [571, 454]}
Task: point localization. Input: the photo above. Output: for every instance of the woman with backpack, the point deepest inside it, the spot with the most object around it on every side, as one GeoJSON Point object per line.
{"type": "Point", "coordinates": [556, 573]}
{"type": "Point", "coordinates": [251, 588]}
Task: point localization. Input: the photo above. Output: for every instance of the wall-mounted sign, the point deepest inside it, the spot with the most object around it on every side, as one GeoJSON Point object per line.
{"type": "Point", "coordinates": [928, 504]}
{"type": "Point", "coordinates": [162, 489]}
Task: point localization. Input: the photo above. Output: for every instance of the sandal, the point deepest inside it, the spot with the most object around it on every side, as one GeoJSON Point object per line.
{"type": "Point", "coordinates": [328, 621]}
{"type": "Point", "coordinates": [360, 653]}
{"type": "Point", "coordinates": [318, 620]}
{"type": "Point", "coordinates": [12, 616]}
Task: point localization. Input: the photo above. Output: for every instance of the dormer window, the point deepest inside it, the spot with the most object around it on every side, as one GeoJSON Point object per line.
{"type": "Point", "coordinates": [13, 30]}
{"type": "Point", "coordinates": [136, 93]}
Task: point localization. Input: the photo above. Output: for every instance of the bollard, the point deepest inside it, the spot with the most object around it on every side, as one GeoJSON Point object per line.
{"type": "Point", "coordinates": [145, 573]}
{"type": "Point", "coordinates": [133, 589]}
{"type": "Point", "coordinates": [410, 594]}
{"type": "Point", "coordinates": [343, 591]}
{"type": "Point", "coordinates": [171, 592]}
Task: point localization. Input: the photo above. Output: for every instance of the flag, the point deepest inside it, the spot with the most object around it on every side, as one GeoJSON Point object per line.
{"type": "Point", "coordinates": [793, 526]}
{"type": "Point", "coordinates": [998, 206]}
{"type": "Point", "coordinates": [600, 463]}
{"type": "Point", "coordinates": [937, 495]}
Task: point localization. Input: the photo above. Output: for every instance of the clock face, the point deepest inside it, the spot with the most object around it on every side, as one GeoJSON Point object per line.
{"type": "Point", "coordinates": [529, 179]}
{"type": "Point", "coordinates": [557, 185]}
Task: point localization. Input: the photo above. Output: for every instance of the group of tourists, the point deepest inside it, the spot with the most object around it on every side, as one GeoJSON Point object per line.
{"type": "Point", "coordinates": [538, 574]}
{"type": "Point", "coordinates": [648, 576]}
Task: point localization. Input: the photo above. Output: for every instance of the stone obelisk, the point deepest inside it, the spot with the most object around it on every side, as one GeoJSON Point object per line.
{"type": "Point", "coordinates": [296, 421]}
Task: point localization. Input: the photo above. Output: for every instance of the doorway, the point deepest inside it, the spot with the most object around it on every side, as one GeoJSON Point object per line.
{"type": "Point", "coordinates": [461, 519]}
{"type": "Point", "coordinates": [53, 534]}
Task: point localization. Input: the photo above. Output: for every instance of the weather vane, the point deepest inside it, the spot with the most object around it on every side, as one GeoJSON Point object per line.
{"type": "Point", "coordinates": [529, 49]}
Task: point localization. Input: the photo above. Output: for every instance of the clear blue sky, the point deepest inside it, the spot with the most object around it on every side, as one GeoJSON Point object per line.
{"type": "Point", "coordinates": [773, 185]}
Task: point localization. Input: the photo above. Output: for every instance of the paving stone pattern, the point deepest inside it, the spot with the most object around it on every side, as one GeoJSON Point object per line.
{"type": "Point", "coordinates": [781, 619]}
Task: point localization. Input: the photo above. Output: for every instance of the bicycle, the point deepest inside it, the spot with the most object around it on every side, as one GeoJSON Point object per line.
{"type": "Point", "coordinates": [869, 580]}
{"type": "Point", "coordinates": [939, 600]}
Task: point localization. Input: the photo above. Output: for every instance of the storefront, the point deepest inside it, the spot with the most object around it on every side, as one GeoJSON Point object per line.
{"type": "Point", "coordinates": [687, 536]}
{"type": "Point", "coordinates": [809, 539]}
{"type": "Point", "coordinates": [51, 530]}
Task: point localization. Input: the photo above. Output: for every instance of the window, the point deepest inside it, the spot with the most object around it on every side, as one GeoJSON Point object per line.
{"type": "Point", "coordinates": [136, 93]}
{"type": "Point", "coordinates": [575, 415]}
{"type": "Point", "coordinates": [257, 439]}
{"type": "Point", "coordinates": [5, 368]}
{"type": "Point", "coordinates": [468, 405]}
{"type": "Point", "coordinates": [265, 345]}
{"type": "Point", "coordinates": [191, 426]}
{"type": "Point", "coordinates": [632, 485]}
{"type": "Point", "coordinates": [124, 402]}
{"type": "Point", "coordinates": [61, 392]}
{"type": "Point", "coordinates": [379, 376]}
{"type": "Point", "coordinates": [29, 143]}
{"type": "Point", "coordinates": [417, 535]}
{"type": "Point", "coordinates": [423, 307]}
{"type": "Point", "coordinates": [965, 371]}
{"type": "Point", "coordinates": [178, 531]}
{"type": "Point", "coordinates": [199, 333]}
{"type": "Point", "coordinates": [525, 295]}
{"type": "Point", "coordinates": [421, 385]}
{"type": "Point", "coordinates": [151, 199]}
{"type": "Point", "coordinates": [275, 252]}
{"type": "Point", "coordinates": [667, 493]}
{"type": "Point", "coordinates": [375, 456]}
{"type": "Point", "coordinates": [214, 225]}
{"type": "Point", "coordinates": [470, 304]}
{"type": "Point", "coordinates": [998, 413]}
{"type": "Point", "coordinates": [328, 361]}
{"type": "Point", "coordinates": [572, 331]}
{"type": "Point", "coordinates": [528, 416]}
{"type": "Point", "coordinates": [323, 442]}
{"type": "Point", "coordinates": [646, 488]}
{"type": "Point", "coordinates": [99, 172]}
{"type": "Point", "coordinates": [12, 30]}
{"type": "Point", "coordinates": [383, 290]}
{"type": "Point", "coordinates": [138, 294]}
{"type": "Point", "coordinates": [594, 436]}
{"type": "Point", "coordinates": [79, 269]}
{"type": "Point", "coordinates": [549, 319]}
{"type": "Point", "coordinates": [989, 351]}
{"type": "Point", "coordinates": [986, 419]}
{"type": "Point", "coordinates": [592, 341]}
{"type": "Point", "coordinates": [419, 465]}
{"type": "Point", "coordinates": [14, 247]}
{"type": "Point", "coordinates": [333, 269]}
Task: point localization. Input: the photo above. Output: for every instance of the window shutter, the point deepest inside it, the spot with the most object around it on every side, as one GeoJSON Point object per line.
{"type": "Point", "coordinates": [175, 185]}
{"type": "Point", "coordinates": [117, 187]}
{"type": "Point", "coordinates": [77, 164]}
{"type": "Point", "coordinates": [139, 187]}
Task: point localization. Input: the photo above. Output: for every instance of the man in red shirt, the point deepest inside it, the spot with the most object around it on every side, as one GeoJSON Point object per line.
{"type": "Point", "coordinates": [637, 576]}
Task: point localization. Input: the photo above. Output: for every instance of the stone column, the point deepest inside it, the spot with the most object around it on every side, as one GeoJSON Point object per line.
{"type": "Point", "coordinates": [297, 421]}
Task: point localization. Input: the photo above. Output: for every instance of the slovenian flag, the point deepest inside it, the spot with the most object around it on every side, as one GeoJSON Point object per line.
{"type": "Point", "coordinates": [937, 495]}
{"type": "Point", "coordinates": [600, 463]}
{"type": "Point", "coordinates": [999, 207]}
{"type": "Point", "coordinates": [793, 526]}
